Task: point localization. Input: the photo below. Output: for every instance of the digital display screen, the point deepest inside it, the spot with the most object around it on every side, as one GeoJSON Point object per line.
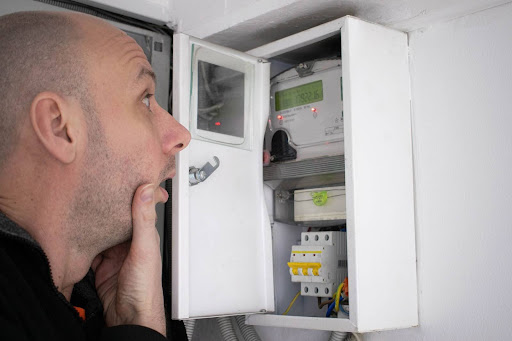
{"type": "Point", "coordinates": [299, 95]}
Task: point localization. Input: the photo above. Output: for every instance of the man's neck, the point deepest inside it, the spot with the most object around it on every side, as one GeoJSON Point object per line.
{"type": "Point", "coordinates": [68, 264]}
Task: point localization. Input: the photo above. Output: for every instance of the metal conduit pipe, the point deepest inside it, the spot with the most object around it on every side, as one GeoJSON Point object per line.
{"type": "Point", "coordinates": [248, 331]}
{"type": "Point", "coordinates": [338, 336]}
{"type": "Point", "coordinates": [226, 329]}
{"type": "Point", "coordinates": [189, 328]}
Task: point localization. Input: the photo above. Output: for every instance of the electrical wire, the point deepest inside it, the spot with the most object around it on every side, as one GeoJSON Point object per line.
{"type": "Point", "coordinates": [337, 299]}
{"type": "Point", "coordinates": [338, 336]}
{"type": "Point", "coordinates": [291, 304]}
{"type": "Point", "coordinates": [324, 303]}
{"type": "Point", "coordinates": [332, 306]}
{"type": "Point", "coordinates": [226, 329]}
{"type": "Point", "coordinates": [357, 336]}
{"type": "Point", "coordinates": [344, 311]}
{"type": "Point", "coordinates": [189, 328]}
{"type": "Point", "coordinates": [334, 303]}
{"type": "Point", "coordinates": [209, 91]}
{"type": "Point", "coordinates": [248, 331]}
{"type": "Point", "coordinates": [330, 309]}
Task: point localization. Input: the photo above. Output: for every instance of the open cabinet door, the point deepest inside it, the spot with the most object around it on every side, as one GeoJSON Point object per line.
{"type": "Point", "coordinates": [221, 238]}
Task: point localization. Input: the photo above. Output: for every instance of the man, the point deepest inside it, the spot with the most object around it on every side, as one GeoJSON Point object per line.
{"type": "Point", "coordinates": [83, 147]}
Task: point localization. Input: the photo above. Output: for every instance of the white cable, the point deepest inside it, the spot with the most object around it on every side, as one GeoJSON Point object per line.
{"type": "Point", "coordinates": [248, 331]}
{"type": "Point", "coordinates": [206, 83]}
{"type": "Point", "coordinates": [189, 328]}
{"type": "Point", "coordinates": [226, 329]}
{"type": "Point", "coordinates": [338, 336]}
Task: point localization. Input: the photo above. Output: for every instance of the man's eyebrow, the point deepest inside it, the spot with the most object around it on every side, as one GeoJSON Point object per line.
{"type": "Point", "coordinates": [144, 72]}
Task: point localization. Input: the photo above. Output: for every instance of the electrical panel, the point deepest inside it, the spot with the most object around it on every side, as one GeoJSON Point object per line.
{"type": "Point", "coordinates": [338, 146]}
{"type": "Point", "coordinates": [339, 166]}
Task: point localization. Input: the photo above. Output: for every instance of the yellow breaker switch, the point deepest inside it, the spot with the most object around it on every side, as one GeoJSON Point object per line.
{"type": "Point", "coordinates": [308, 269]}
{"type": "Point", "coordinates": [319, 262]}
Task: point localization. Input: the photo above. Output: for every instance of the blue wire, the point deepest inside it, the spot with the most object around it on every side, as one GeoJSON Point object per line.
{"type": "Point", "coordinates": [330, 309]}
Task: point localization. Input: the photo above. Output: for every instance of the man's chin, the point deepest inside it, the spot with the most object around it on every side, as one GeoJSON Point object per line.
{"type": "Point", "coordinates": [121, 235]}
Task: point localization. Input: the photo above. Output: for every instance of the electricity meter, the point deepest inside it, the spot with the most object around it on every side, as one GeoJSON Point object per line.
{"type": "Point", "coordinates": [306, 111]}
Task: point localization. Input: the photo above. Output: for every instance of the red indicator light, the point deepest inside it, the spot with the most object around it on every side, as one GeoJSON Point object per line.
{"type": "Point", "coordinates": [217, 123]}
{"type": "Point", "coordinates": [279, 117]}
{"type": "Point", "coordinates": [313, 109]}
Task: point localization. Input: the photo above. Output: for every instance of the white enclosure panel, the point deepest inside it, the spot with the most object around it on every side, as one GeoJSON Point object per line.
{"type": "Point", "coordinates": [379, 177]}
{"type": "Point", "coordinates": [313, 323]}
{"type": "Point", "coordinates": [222, 250]}
{"type": "Point", "coordinates": [180, 208]}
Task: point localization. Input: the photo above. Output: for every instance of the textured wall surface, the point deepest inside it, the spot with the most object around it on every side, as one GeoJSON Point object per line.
{"type": "Point", "coordinates": [461, 85]}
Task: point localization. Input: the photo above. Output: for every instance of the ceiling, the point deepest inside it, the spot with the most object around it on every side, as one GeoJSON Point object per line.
{"type": "Point", "coordinates": [405, 15]}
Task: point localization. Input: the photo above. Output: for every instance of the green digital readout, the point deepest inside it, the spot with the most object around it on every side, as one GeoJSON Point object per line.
{"type": "Point", "coordinates": [299, 95]}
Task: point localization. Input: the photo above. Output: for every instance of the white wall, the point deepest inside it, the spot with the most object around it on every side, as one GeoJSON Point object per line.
{"type": "Point", "coordinates": [462, 131]}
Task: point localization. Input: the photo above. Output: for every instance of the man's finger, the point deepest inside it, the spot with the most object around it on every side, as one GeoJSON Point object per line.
{"type": "Point", "coordinates": [97, 261]}
{"type": "Point", "coordinates": [162, 195]}
{"type": "Point", "coordinates": [143, 208]}
{"type": "Point", "coordinates": [144, 214]}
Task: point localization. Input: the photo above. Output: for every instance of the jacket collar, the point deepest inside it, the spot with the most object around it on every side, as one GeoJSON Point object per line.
{"type": "Point", "coordinates": [10, 228]}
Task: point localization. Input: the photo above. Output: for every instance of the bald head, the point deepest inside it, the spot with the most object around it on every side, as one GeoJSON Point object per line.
{"type": "Point", "coordinates": [39, 51]}
{"type": "Point", "coordinates": [80, 115]}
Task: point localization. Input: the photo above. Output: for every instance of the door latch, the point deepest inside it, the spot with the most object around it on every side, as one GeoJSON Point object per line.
{"type": "Point", "coordinates": [196, 175]}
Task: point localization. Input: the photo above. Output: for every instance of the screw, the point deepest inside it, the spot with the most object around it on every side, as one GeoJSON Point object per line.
{"type": "Point", "coordinates": [202, 175]}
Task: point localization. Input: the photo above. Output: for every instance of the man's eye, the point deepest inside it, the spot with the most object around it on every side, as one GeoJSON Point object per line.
{"type": "Point", "coordinates": [146, 102]}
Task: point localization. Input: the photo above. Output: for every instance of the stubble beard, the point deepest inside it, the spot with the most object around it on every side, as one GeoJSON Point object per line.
{"type": "Point", "coordinates": [100, 216]}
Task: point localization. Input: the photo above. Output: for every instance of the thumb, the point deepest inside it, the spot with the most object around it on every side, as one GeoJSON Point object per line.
{"type": "Point", "coordinates": [143, 211]}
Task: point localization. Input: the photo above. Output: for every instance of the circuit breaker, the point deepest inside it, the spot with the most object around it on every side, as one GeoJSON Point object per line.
{"type": "Point", "coordinates": [319, 263]}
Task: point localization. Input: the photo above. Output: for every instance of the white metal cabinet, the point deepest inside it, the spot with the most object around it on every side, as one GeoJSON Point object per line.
{"type": "Point", "coordinates": [379, 182]}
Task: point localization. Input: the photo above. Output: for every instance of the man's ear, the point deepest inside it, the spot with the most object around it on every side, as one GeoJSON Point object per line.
{"type": "Point", "coordinates": [52, 121]}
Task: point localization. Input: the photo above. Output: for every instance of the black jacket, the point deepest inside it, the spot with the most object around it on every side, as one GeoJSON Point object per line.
{"type": "Point", "coordinates": [31, 307]}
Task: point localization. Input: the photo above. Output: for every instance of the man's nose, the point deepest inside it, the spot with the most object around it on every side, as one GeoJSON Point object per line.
{"type": "Point", "coordinates": [175, 137]}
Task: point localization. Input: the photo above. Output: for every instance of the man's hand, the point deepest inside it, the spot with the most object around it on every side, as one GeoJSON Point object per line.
{"type": "Point", "coordinates": [129, 275]}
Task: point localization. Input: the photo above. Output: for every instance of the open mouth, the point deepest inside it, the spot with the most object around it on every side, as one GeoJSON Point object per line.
{"type": "Point", "coordinates": [169, 177]}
